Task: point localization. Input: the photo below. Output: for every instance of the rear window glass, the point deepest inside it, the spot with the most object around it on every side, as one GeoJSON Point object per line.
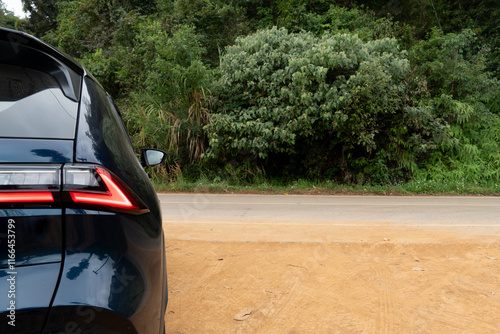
{"type": "Point", "coordinates": [32, 105]}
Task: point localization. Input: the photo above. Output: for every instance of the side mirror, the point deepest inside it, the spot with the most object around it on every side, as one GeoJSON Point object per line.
{"type": "Point", "coordinates": [152, 157]}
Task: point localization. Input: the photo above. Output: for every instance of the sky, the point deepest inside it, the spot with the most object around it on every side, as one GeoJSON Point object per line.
{"type": "Point", "coordinates": [15, 6]}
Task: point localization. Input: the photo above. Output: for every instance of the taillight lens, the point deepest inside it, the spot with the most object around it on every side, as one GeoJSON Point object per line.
{"type": "Point", "coordinates": [24, 184]}
{"type": "Point", "coordinates": [83, 186]}
{"type": "Point", "coordinates": [96, 187]}
{"type": "Point", "coordinates": [25, 197]}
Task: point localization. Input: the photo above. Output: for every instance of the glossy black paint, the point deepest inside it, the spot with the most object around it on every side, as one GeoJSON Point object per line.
{"type": "Point", "coordinates": [38, 236]}
{"type": "Point", "coordinates": [101, 138]}
{"type": "Point", "coordinates": [34, 287]}
{"type": "Point", "coordinates": [88, 320]}
{"type": "Point", "coordinates": [79, 270]}
{"type": "Point", "coordinates": [116, 256]}
{"type": "Point", "coordinates": [35, 150]}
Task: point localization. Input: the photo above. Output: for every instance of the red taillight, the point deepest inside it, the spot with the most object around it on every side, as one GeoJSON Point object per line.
{"type": "Point", "coordinates": [22, 185]}
{"type": "Point", "coordinates": [114, 196]}
{"type": "Point", "coordinates": [26, 197]}
{"type": "Point", "coordinates": [96, 187]}
{"type": "Point", "coordinates": [81, 186]}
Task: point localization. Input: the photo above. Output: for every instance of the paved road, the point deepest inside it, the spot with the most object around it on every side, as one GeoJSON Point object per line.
{"type": "Point", "coordinates": [317, 218]}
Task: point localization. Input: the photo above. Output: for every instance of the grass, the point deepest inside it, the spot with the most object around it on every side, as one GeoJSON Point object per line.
{"type": "Point", "coordinates": [306, 187]}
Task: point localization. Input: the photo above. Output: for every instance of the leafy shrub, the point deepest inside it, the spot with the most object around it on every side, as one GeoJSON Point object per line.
{"type": "Point", "coordinates": [169, 100]}
{"type": "Point", "coordinates": [329, 101]}
{"type": "Point", "coordinates": [463, 93]}
{"type": "Point", "coordinates": [216, 22]}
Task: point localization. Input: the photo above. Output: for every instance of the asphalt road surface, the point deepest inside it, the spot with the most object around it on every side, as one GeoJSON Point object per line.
{"type": "Point", "coordinates": [327, 218]}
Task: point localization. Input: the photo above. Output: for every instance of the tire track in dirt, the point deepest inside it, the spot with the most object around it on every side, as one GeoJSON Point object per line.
{"type": "Point", "coordinates": [384, 322]}
{"type": "Point", "coordinates": [334, 287]}
{"type": "Point", "coordinates": [298, 276]}
{"type": "Point", "coordinates": [266, 312]}
{"type": "Point", "coordinates": [461, 282]}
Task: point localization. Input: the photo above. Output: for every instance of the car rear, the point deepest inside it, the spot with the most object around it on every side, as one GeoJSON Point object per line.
{"type": "Point", "coordinates": [81, 242]}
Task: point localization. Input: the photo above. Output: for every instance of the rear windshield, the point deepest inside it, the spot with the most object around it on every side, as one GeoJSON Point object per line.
{"type": "Point", "coordinates": [32, 105]}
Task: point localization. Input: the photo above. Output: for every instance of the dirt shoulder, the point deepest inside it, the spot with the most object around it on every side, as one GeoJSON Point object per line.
{"type": "Point", "coordinates": [434, 284]}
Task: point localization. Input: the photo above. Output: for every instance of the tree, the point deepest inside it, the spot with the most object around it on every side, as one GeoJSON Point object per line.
{"type": "Point", "coordinates": [217, 22]}
{"type": "Point", "coordinates": [42, 15]}
{"type": "Point", "coordinates": [450, 16]}
{"type": "Point", "coordinates": [463, 93]}
{"type": "Point", "coordinates": [7, 18]}
{"type": "Point", "coordinates": [168, 88]}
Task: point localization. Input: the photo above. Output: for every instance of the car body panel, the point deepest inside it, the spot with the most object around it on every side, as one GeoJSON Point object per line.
{"type": "Point", "coordinates": [98, 116]}
{"type": "Point", "coordinates": [35, 150]}
{"type": "Point", "coordinates": [33, 290]}
{"type": "Point", "coordinates": [124, 257]}
{"type": "Point", "coordinates": [38, 236]}
{"type": "Point", "coordinates": [86, 319]}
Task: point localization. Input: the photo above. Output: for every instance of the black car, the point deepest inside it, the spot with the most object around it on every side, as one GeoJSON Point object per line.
{"type": "Point", "coordinates": [81, 238]}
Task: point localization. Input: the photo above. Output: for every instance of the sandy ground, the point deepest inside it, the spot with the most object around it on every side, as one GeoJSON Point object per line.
{"type": "Point", "coordinates": [433, 284]}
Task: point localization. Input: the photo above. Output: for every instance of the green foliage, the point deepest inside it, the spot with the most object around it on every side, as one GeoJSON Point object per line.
{"type": "Point", "coordinates": [170, 61]}
{"type": "Point", "coordinates": [42, 15]}
{"type": "Point", "coordinates": [465, 95]}
{"type": "Point", "coordinates": [323, 16]}
{"type": "Point", "coordinates": [290, 14]}
{"type": "Point", "coordinates": [450, 16]}
{"type": "Point", "coordinates": [217, 23]}
{"type": "Point", "coordinates": [333, 97]}
{"type": "Point", "coordinates": [454, 64]}
{"type": "Point", "coordinates": [169, 84]}
{"type": "Point", "coordinates": [85, 26]}
{"type": "Point", "coordinates": [360, 21]}
{"type": "Point", "coordinates": [482, 16]}
{"type": "Point", "coordinates": [7, 18]}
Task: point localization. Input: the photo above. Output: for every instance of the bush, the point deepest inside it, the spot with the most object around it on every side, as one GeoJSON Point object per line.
{"type": "Point", "coordinates": [169, 90]}
{"type": "Point", "coordinates": [465, 95]}
{"type": "Point", "coordinates": [292, 101]}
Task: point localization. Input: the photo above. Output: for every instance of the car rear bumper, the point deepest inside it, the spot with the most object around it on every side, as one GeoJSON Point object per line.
{"type": "Point", "coordinates": [111, 279]}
